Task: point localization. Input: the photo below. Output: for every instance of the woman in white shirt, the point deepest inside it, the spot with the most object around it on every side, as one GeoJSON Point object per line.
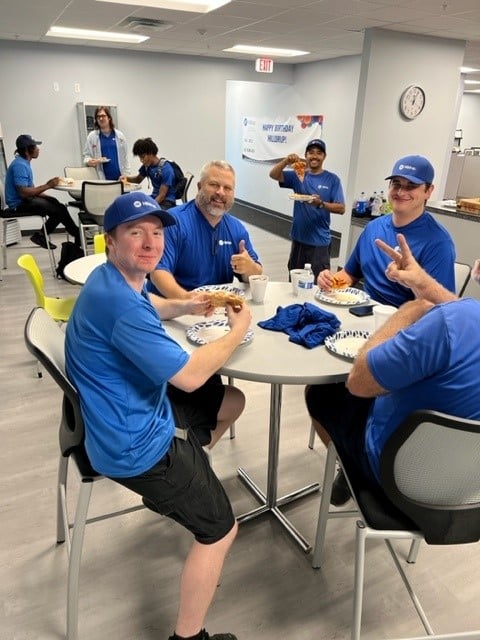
{"type": "Point", "coordinates": [106, 147]}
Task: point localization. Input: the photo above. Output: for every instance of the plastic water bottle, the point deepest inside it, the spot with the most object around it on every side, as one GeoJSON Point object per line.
{"type": "Point", "coordinates": [377, 205]}
{"type": "Point", "coordinates": [361, 206]}
{"type": "Point", "coordinates": [305, 283]}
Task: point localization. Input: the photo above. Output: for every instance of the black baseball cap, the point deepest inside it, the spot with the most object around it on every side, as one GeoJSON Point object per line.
{"type": "Point", "coordinates": [316, 142]}
{"type": "Point", "coordinates": [25, 140]}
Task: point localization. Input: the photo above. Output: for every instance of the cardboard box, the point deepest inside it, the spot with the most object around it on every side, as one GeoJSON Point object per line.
{"type": "Point", "coordinates": [471, 205]}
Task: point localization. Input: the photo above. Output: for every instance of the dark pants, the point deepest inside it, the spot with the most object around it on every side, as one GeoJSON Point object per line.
{"type": "Point", "coordinates": [300, 254]}
{"type": "Point", "coordinates": [56, 212]}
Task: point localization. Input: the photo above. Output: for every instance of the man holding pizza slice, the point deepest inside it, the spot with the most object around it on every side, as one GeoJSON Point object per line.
{"type": "Point", "coordinates": [311, 237]}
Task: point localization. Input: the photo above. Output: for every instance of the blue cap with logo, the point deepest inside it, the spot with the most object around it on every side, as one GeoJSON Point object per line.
{"type": "Point", "coordinates": [25, 140]}
{"type": "Point", "coordinates": [416, 169]}
{"type": "Point", "coordinates": [316, 142]}
{"type": "Point", "coordinates": [132, 206]}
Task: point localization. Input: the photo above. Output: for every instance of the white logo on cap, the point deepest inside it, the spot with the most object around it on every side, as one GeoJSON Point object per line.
{"type": "Point", "coordinates": [137, 204]}
{"type": "Point", "coordinates": [406, 166]}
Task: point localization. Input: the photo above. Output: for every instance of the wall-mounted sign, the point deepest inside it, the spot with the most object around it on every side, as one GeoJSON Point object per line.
{"type": "Point", "coordinates": [264, 65]}
{"type": "Point", "coordinates": [268, 139]}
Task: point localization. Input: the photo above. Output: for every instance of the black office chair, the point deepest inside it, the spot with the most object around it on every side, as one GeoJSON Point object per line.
{"type": "Point", "coordinates": [430, 472]}
{"type": "Point", "coordinates": [189, 177]}
{"type": "Point", "coordinates": [45, 340]}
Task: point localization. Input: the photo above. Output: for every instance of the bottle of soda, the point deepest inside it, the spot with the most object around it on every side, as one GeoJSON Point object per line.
{"type": "Point", "coordinates": [361, 206]}
{"type": "Point", "coordinates": [305, 283]}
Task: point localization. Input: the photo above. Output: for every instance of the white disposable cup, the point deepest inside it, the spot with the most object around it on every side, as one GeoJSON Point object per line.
{"type": "Point", "coordinates": [294, 277]}
{"type": "Point", "coordinates": [258, 287]}
{"type": "Point", "coordinates": [381, 313]}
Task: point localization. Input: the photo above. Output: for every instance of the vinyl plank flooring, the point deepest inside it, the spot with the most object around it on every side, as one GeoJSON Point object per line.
{"type": "Point", "coordinates": [131, 566]}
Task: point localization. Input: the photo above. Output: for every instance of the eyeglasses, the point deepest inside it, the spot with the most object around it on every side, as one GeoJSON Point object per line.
{"type": "Point", "coordinates": [407, 186]}
{"type": "Point", "coordinates": [102, 115]}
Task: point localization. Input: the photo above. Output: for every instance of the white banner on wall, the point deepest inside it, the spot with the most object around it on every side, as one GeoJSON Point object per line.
{"type": "Point", "coordinates": [270, 139]}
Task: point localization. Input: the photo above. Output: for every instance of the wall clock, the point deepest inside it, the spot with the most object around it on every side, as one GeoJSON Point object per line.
{"type": "Point", "coordinates": [412, 102]}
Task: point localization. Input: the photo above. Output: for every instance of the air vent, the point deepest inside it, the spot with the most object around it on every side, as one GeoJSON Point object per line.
{"type": "Point", "coordinates": [145, 24]}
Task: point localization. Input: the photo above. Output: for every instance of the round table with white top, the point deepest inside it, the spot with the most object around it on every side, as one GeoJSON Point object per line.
{"type": "Point", "coordinates": [271, 358]}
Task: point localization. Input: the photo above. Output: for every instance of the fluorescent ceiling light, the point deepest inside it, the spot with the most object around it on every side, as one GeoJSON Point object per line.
{"type": "Point", "coordinates": [89, 34]}
{"type": "Point", "coordinates": [266, 51]}
{"type": "Point", "coordinates": [472, 81]}
{"type": "Point", "coordinates": [195, 6]}
{"type": "Point", "coordinates": [469, 70]}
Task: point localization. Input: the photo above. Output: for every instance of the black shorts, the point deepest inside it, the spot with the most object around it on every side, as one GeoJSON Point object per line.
{"type": "Point", "coordinates": [300, 254]}
{"type": "Point", "coordinates": [344, 417]}
{"type": "Point", "coordinates": [183, 487]}
{"type": "Point", "coordinates": [198, 410]}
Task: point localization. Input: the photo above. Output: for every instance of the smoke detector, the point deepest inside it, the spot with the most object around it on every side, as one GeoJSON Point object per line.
{"type": "Point", "coordinates": [146, 24]}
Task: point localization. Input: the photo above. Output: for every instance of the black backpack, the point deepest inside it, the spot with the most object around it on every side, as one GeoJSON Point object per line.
{"type": "Point", "coordinates": [180, 179]}
{"type": "Point", "coordinates": [69, 253]}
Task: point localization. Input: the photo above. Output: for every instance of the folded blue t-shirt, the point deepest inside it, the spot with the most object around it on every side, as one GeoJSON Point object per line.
{"type": "Point", "coordinates": [305, 324]}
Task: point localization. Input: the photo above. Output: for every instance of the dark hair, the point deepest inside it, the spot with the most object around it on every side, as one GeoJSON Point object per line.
{"type": "Point", "coordinates": [109, 116]}
{"type": "Point", "coordinates": [144, 146]}
{"type": "Point", "coordinates": [23, 151]}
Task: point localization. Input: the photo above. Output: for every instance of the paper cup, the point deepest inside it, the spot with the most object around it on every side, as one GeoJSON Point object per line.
{"type": "Point", "coordinates": [381, 313]}
{"type": "Point", "coordinates": [294, 277]}
{"type": "Point", "coordinates": [258, 287]}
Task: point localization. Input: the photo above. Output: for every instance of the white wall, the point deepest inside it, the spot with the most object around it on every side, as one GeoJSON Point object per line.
{"type": "Point", "coordinates": [179, 101]}
{"type": "Point", "coordinates": [469, 120]}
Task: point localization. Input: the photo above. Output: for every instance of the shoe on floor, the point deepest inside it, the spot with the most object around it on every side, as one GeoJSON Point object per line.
{"type": "Point", "coordinates": [340, 491]}
{"type": "Point", "coordinates": [39, 238]}
{"type": "Point", "coordinates": [205, 636]}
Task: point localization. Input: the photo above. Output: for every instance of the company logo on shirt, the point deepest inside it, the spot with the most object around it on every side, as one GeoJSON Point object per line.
{"type": "Point", "coordinates": [224, 242]}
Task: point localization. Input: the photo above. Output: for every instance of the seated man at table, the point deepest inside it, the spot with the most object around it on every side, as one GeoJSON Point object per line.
{"type": "Point", "coordinates": [411, 185]}
{"type": "Point", "coordinates": [208, 245]}
{"type": "Point", "coordinates": [25, 199]}
{"type": "Point", "coordinates": [121, 360]}
{"type": "Point", "coordinates": [157, 170]}
{"type": "Point", "coordinates": [424, 357]}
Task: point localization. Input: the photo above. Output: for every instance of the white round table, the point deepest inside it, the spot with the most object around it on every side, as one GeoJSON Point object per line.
{"type": "Point", "coordinates": [78, 270]}
{"type": "Point", "coordinates": [272, 359]}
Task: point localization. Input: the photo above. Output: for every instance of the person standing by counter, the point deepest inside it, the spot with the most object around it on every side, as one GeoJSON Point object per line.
{"type": "Point", "coordinates": [311, 237]}
{"type": "Point", "coordinates": [106, 148]}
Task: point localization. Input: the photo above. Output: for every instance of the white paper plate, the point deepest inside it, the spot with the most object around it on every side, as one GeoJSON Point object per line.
{"type": "Point", "coordinates": [347, 343]}
{"type": "Point", "coordinates": [302, 197]}
{"type": "Point", "coordinates": [343, 297]}
{"type": "Point", "coordinates": [221, 287]}
{"type": "Point", "coordinates": [205, 332]}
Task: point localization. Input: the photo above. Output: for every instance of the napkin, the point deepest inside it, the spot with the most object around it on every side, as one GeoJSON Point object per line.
{"type": "Point", "coordinates": [305, 324]}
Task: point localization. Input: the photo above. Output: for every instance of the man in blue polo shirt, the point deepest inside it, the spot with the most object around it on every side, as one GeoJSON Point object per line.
{"type": "Point", "coordinates": [424, 357]}
{"type": "Point", "coordinates": [26, 199]}
{"type": "Point", "coordinates": [207, 245]}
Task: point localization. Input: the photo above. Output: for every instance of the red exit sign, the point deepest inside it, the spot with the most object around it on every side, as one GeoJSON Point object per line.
{"type": "Point", "coordinates": [264, 65]}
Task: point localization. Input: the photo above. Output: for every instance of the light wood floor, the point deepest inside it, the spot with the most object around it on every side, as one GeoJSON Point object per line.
{"type": "Point", "coordinates": [131, 565]}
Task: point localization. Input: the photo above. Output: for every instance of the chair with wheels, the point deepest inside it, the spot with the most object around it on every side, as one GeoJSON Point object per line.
{"type": "Point", "coordinates": [45, 340]}
{"type": "Point", "coordinates": [96, 196]}
{"type": "Point", "coordinates": [430, 473]}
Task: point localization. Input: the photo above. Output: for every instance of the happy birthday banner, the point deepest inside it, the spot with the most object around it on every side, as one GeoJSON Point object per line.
{"type": "Point", "coordinates": [271, 139]}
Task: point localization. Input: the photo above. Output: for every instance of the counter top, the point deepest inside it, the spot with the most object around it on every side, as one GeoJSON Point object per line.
{"type": "Point", "coordinates": [449, 210]}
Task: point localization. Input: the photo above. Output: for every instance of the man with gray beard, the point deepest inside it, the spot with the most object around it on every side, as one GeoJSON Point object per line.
{"type": "Point", "coordinates": [207, 245]}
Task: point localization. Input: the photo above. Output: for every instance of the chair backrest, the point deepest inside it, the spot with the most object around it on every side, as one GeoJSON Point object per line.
{"type": "Point", "coordinates": [97, 196]}
{"type": "Point", "coordinates": [99, 243]}
{"type": "Point", "coordinates": [81, 173]}
{"type": "Point", "coordinates": [45, 340]}
{"type": "Point", "coordinates": [189, 177]}
{"type": "Point", "coordinates": [430, 470]}
{"type": "Point", "coordinates": [462, 276]}
{"type": "Point", "coordinates": [28, 263]}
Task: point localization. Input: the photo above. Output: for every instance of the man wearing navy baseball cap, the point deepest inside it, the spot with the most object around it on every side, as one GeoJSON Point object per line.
{"type": "Point", "coordinates": [26, 199]}
{"type": "Point", "coordinates": [317, 194]}
{"type": "Point", "coordinates": [122, 362]}
{"type": "Point", "coordinates": [410, 186]}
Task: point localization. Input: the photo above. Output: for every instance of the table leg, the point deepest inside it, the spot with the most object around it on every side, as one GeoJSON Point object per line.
{"type": "Point", "coordinates": [270, 502]}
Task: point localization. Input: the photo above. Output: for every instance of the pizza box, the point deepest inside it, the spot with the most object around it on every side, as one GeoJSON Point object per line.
{"type": "Point", "coordinates": [472, 205]}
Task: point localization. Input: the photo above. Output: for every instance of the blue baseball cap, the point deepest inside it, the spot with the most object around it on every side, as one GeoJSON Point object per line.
{"type": "Point", "coordinates": [132, 206]}
{"type": "Point", "coordinates": [416, 169]}
{"type": "Point", "coordinates": [25, 140]}
{"type": "Point", "coordinates": [316, 142]}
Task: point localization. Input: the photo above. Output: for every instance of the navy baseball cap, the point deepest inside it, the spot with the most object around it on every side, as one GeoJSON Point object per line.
{"type": "Point", "coordinates": [132, 206]}
{"type": "Point", "coordinates": [316, 142]}
{"type": "Point", "coordinates": [25, 140]}
{"type": "Point", "coordinates": [416, 169]}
